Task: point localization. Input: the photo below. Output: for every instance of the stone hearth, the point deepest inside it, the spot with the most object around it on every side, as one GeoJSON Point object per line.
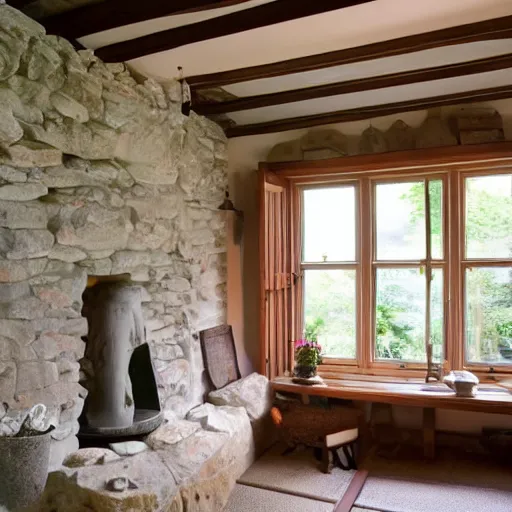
{"type": "Point", "coordinates": [186, 465]}
{"type": "Point", "coordinates": [100, 174]}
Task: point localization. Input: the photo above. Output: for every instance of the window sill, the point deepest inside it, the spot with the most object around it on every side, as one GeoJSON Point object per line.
{"type": "Point", "coordinates": [331, 371]}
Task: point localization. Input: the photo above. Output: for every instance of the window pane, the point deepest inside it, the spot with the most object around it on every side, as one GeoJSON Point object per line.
{"type": "Point", "coordinates": [435, 189]}
{"type": "Point", "coordinates": [489, 315]}
{"type": "Point", "coordinates": [489, 216]}
{"type": "Point", "coordinates": [400, 314]}
{"type": "Point", "coordinates": [329, 224]}
{"type": "Point", "coordinates": [437, 315]}
{"type": "Point", "coordinates": [330, 310]}
{"type": "Point", "coordinates": [400, 221]}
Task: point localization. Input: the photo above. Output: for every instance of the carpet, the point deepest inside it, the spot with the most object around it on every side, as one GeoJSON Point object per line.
{"type": "Point", "coordinates": [245, 498]}
{"type": "Point", "coordinates": [403, 495]}
{"type": "Point", "coordinates": [298, 474]}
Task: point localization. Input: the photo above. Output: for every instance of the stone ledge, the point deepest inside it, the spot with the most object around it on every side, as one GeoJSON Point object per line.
{"type": "Point", "coordinates": [192, 469]}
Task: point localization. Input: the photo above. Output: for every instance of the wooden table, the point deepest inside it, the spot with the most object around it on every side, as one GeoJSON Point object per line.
{"type": "Point", "coordinates": [432, 396]}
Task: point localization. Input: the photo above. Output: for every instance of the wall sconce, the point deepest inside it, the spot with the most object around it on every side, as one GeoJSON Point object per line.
{"type": "Point", "coordinates": [227, 205]}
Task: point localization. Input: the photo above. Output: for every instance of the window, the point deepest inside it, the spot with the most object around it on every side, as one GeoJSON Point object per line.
{"type": "Point", "coordinates": [330, 267]}
{"type": "Point", "coordinates": [487, 267]}
{"type": "Point", "coordinates": [376, 259]}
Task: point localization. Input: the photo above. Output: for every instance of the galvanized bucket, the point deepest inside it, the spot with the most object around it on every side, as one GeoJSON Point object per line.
{"type": "Point", "coordinates": [23, 469]}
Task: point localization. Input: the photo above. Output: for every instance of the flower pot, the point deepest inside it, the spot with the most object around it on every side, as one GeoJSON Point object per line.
{"type": "Point", "coordinates": [23, 469]}
{"type": "Point", "coordinates": [305, 372]}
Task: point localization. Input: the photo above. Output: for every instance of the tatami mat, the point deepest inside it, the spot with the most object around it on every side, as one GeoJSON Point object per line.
{"type": "Point", "coordinates": [245, 498]}
{"type": "Point", "coordinates": [297, 473]}
{"type": "Point", "coordinates": [402, 495]}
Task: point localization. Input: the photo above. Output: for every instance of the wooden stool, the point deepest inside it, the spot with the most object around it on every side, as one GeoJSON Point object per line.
{"type": "Point", "coordinates": [327, 429]}
{"type": "Point", "coordinates": [344, 440]}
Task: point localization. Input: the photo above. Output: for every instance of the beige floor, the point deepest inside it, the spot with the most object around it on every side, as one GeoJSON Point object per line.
{"type": "Point", "coordinates": [450, 467]}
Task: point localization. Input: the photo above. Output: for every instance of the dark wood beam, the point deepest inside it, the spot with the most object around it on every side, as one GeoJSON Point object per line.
{"type": "Point", "coordinates": [497, 28]}
{"type": "Point", "coordinates": [97, 17]}
{"type": "Point", "coordinates": [248, 19]}
{"type": "Point", "coordinates": [19, 4]}
{"type": "Point", "coordinates": [358, 85]}
{"type": "Point", "coordinates": [358, 114]}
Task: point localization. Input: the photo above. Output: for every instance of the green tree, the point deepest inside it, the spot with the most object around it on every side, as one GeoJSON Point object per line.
{"type": "Point", "coordinates": [488, 227]}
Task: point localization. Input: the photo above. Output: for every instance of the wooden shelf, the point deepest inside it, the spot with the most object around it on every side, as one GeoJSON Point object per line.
{"type": "Point", "coordinates": [489, 399]}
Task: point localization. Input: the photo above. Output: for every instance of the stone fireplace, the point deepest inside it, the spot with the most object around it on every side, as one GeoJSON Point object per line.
{"type": "Point", "coordinates": [100, 174]}
{"type": "Point", "coordinates": [117, 367]}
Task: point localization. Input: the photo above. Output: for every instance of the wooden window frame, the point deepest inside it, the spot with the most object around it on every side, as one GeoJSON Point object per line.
{"type": "Point", "coordinates": [340, 265]}
{"type": "Point", "coordinates": [454, 164]}
{"type": "Point", "coordinates": [428, 263]}
{"type": "Point", "coordinates": [465, 262]}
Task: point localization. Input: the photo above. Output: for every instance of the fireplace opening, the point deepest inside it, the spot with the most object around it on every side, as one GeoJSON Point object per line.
{"type": "Point", "coordinates": [117, 368]}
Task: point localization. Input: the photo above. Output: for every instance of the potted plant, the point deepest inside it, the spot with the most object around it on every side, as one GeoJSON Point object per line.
{"type": "Point", "coordinates": [24, 458]}
{"type": "Point", "coordinates": [307, 358]}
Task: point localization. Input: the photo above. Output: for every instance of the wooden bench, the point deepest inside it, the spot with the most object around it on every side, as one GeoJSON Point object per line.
{"type": "Point", "coordinates": [414, 393]}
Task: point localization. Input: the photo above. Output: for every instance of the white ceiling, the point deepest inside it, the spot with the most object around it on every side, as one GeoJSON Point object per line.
{"type": "Point", "coordinates": [344, 28]}
{"type": "Point", "coordinates": [367, 23]}
{"type": "Point", "coordinates": [407, 62]}
{"type": "Point", "coordinates": [166, 22]}
{"type": "Point", "coordinates": [375, 97]}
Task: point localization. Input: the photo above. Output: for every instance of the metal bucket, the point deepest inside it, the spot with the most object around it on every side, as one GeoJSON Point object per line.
{"type": "Point", "coordinates": [23, 469]}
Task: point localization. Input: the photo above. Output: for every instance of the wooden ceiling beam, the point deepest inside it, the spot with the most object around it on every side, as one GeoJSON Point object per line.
{"type": "Point", "coordinates": [358, 85]}
{"type": "Point", "coordinates": [109, 14]}
{"type": "Point", "coordinates": [358, 114]}
{"type": "Point", "coordinates": [248, 19]}
{"type": "Point", "coordinates": [19, 4]}
{"type": "Point", "coordinates": [497, 28]}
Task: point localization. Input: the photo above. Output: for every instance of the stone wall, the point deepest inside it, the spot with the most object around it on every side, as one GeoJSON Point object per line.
{"type": "Point", "coordinates": [99, 174]}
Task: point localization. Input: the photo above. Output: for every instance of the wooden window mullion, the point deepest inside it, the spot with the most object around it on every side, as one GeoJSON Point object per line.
{"type": "Point", "coordinates": [428, 265]}
{"type": "Point", "coordinates": [365, 292]}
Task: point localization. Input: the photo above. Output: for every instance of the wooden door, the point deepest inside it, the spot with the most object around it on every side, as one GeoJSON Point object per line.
{"type": "Point", "coordinates": [276, 275]}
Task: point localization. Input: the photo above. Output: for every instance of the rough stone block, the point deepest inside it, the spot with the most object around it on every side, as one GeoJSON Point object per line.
{"type": "Point", "coordinates": [22, 215]}
{"type": "Point", "coordinates": [171, 433]}
{"type": "Point", "coordinates": [252, 392]}
{"type": "Point", "coordinates": [27, 308]}
{"type": "Point", "coordinates": [25, 192]}
{"type": "Point", "coordinates": [227, 419]}
{"type": "Point", "coordinates": [10, 129]}
{"type": "Point", "coordinates": [13, 271]}
{"type": "Point", "coordinates": [95, 228]}
{"type": "Point", "coordinates": [13, 291]}
{"type": "Point", "coordinates": [51, 345]}
{"type": "Point", "coordinates": [69, 107]}
{"type": "Point", "coordinates": [90, 457]}
{"type": "Point", "coordinates": [75, 488]}
{"type": "Point", "coordinates": [59, 450]}
{"type": "Point", "coordinates": [12, 175]}
{"type": "Point", "coordinates": [7, 381]}
{"type": "Point", "coordinates": [36, 375]}
{"type": "Point", "coordinates": [26, 243]}
{"type": "Point", "coordinates": [66, 253]}
{"type": "Point", "coordinates": [53, 395]}
{"type": "Point", "coordinates": [32, 154]}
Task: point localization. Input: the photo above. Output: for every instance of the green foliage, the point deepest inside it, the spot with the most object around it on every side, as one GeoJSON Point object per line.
{"type": "Point", "coordinates": [489, 300]}
{"type": "Point", "coordinates": [393, 339]}
{"type": "Point", "coordinates": [416, 197]}
{"type": "Point", "coordinates": [330, 305]}
{"type": "Point", "coordinates": [505, 329]}
{"type": "Point", "coordinates": [307, 356]}
{"type": "Point", "coordinates": [313, 328]}
{"type": "Point", "coordinates": [330, 311]}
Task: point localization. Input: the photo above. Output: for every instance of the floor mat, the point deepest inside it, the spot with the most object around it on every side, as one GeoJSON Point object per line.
{"type": "Point", "coordinates": [245, 498]}
{"type": "Point", "coordinates": [298, 474]}
{"type": "Point", "coordinates": [402, 495]}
